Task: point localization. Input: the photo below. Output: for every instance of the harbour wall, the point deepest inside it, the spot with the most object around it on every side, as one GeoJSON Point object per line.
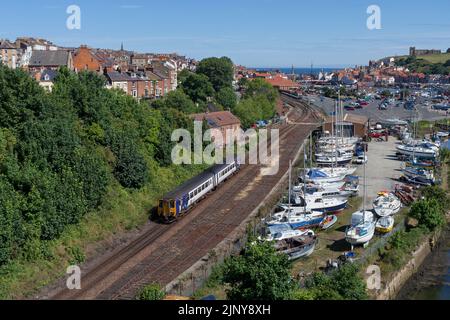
{"type": "Point", "coordinates": [419, 256]}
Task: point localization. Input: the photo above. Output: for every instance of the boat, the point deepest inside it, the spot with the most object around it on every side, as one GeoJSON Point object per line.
{"type": "Point", "coordinates": [298, 247]}
{"type": "Point", "coordinates": [416, 162]}
{"type": "Point", "coordinates": [322, 192]}
{"type": "Point", "coordinates": [362, 224]}
{"type": "Point", "coordinates": [330, 160]}
{"type": "Point", "coordinates": [385, 224]}
{"type": "Point", "coordinates": [296, 219]}
{"type": "Point", "coordinates": [318, 176]}
{"type": "Point", "coordinates": [441, 134]}
{"type": "Point", "coordinates": [283, 231]}
{"type": "Point", "coordinates": [316, 203]}
{"type": "Point", "coordinates": [416, 151]}
{"type": "Point", "coordinates": [386, 204]}
{"type": "Point", "coordinates": [417, 180]}
{"type": "Point", "coordinates": [421, 172]}
{"type": "Point", "coordinates": [340, 170]}
{"type": "Point", "coordinates": [328, 222]}
{"type": "Point", "coordinates": [324, 185]}
{"type": "Point", "coordinates": [362, 232]}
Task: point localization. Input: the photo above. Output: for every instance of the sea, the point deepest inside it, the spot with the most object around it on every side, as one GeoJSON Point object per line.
{"type": "Point", "coordinates": [299, 71]}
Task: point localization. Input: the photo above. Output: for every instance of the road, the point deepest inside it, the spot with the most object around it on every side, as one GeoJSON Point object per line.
{"type": "Point", "coordinates": [162, 252]}
{"type": "Point", "coordinates": [373, 113]}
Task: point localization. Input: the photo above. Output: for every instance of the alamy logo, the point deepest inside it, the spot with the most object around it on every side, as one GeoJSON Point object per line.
{"type": "Point", "coordinates": [374, 20]}
{"type": "Point", "coordinates": [227, 146]}
{"type": "Point", "coordinates": [74, 20]}
{"type": "Point", "coordinates": [74, 280]}
{"type": "Point", "coordinates": [374, 277]}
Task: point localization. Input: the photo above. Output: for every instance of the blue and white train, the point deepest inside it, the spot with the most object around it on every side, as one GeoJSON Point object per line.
{"type": "Point", "coordinates": [177, 202]}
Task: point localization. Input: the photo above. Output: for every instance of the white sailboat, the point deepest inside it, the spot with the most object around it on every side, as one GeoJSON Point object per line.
{"type": "Point", "coordinates": [362, 228]}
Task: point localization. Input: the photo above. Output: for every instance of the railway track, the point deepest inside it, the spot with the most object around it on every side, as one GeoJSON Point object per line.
{"type": "Point", "coordinates": [163, 252]}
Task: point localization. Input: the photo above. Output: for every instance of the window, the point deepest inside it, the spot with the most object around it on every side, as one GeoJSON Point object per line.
{"type": "Point", "coordinates": [172, 204]}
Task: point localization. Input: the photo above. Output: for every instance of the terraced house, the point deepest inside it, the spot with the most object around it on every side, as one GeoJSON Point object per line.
{"type": "Point", "coordinates": [8, 54]}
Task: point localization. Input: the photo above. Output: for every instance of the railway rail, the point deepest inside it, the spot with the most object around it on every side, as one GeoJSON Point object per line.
{"type": "Point", "coordinates": [163, 252]}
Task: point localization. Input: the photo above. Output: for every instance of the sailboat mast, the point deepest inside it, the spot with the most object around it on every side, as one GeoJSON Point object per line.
{"type": "Point", "coordinates": [310, 150]}
{"type": "Point", "coordinates": [290, 183]}
{"type": "Point", "coordinates": [364, 182]}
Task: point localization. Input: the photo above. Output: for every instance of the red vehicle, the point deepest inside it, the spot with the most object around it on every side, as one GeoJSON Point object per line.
{"type": "Point", "coordinates": [363, 103]}
{"type": "Point", "coordinates": [349, 108]}
{"type": "Point", "coordinates": [376, 134]}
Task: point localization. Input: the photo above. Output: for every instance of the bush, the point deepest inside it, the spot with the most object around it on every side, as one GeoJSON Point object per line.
{"type": "Point", "coordinates": [260, 273]}
{"type": "Point", "coordinates": [151, 292]}
{"type": "Point", "coordinates": [428, 213]}
{"type": "Point", "coordinates": [342, 284]}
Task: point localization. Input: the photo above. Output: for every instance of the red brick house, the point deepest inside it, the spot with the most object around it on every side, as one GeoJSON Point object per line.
{"type": "Point", "coordinates": [220, 122]}
{"type": "Point", "coordinates": [84, 59]}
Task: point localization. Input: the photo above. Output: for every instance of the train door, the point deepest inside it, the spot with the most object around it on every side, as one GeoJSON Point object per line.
{"type": "Point", "coordinates": [185, 204]}
{"type": "Point", "coordinates": [178, 206]}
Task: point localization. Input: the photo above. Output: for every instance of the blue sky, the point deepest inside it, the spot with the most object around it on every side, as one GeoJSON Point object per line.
{"type": "Point", "coordinates": [258, 33]}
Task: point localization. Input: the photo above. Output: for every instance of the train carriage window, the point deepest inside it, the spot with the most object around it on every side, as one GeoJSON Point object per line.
{"type": "Point", "coordinates": [172, 204]}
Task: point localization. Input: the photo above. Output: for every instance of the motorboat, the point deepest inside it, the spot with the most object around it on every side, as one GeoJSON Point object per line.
{"type": "Point", "coordinates": [417, 151]}
{"type": "Point", "coordinates": [338, 170]}
{"type": "Point", "coordinates": [298, 247]}
{"type": "Point", "coordinates": [386, 204]}
{"type": "Point", "coordinates": [421, 172]}
{"type": "Point", "coordinates": [385, 224]}
{"type": "Point", "coordinates": [319, 191]}
{"type": "Point", "coordinates": [317, 203]}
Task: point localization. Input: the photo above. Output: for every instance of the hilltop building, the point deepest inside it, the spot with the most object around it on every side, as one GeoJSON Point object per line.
{"type": "Point", "coordinates": [422, 52]}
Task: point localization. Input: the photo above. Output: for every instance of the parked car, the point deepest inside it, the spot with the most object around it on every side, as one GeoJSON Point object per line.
{"type": "Point", "coordinates": [349, 108]}
{"type": "Point", "coordinates": [361, 159]}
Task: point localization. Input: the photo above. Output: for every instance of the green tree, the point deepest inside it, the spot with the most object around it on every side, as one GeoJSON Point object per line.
{"type": "Point", "coordinates": [197, 87]}
{"type": "Point", "coordinates": [220, 71]}
{"type": "Point", "coordinates": [130, 167]}
{"type": "Point", "coordinates": [227, 98]}
{"type": "Point", "coordinates": [258, 87]}
{"type": "Point", "coordinates": [180, 101]}
{"type": "Point", "coordinates": [260, 273]}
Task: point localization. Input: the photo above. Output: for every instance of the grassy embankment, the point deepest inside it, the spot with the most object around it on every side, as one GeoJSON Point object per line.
{"type": "Point", "coordinates": [122, 211]}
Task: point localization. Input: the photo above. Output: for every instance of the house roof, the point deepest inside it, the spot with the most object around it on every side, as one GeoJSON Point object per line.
{"type": "Point", "coordinates": [282, 82]}
{"type": "Point", "coordinates": [152, 76]}
{"type": "Point", "coordinates": [352, 118]}
{"type": "Point", "coordinates": [115, 76]}
{"type": "Point", "coordinates": [49, 58]}
{"type": "Point", "coordinates": [218, 119]}
{"type": "Point", "coordinates": [5, 44]}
